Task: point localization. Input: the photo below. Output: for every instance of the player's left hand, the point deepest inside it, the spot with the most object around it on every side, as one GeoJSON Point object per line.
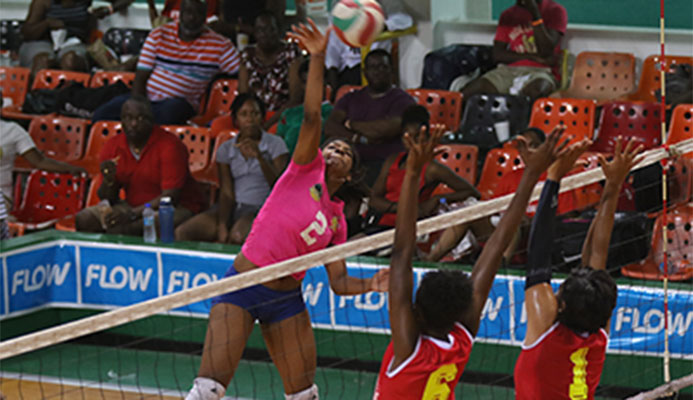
{"type": "Point", "coordinates": [422, 148]}
{"type": "Point", "coordinates": [310, 37]}
{"type": "Point", "coordinates": [380, 282]}
{"type": "Point", "coordinates": [567, 162]}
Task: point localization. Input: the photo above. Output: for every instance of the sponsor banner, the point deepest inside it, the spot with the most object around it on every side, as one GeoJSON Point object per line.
{"type": "Point", "coordinates": [111, 276]}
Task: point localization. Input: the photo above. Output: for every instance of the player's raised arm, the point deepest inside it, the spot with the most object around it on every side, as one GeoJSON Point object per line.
{"type": "Point", "coordinates": [309, 136]}
{"type": "Point", "coordinates": [404, 326]}
{"type": "Point", "coordinates": [540, 300]}
{"type": "Point", "coordinates": [596, 247]}
{"type": "Point", "coordinates": [487, 265]}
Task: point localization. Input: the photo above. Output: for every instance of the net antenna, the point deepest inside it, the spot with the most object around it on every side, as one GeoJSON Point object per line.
{"type": "Point", "coordinates": [123, 315]}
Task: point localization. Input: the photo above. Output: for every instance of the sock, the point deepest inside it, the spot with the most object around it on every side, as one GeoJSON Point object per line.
{"type": "Point", "coordinates": [309, 394]}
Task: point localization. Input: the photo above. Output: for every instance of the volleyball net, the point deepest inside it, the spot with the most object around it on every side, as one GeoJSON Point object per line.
{"type": "Point", "coordinates": [149, 341]}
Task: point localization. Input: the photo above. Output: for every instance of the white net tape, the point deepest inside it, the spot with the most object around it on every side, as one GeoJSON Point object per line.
{"type": "Point", "coordinates": [110, 319]}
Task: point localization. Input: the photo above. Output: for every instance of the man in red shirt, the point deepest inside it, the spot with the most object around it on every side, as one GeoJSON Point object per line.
{"type": "Point", "coordinates": [432, 336]}
{"type": "Point", "coordinates": [564, 348]}
{"type": "Point", "coordinates": [527, 50]}
{"type": "Point", "coordinates": [148, 163]}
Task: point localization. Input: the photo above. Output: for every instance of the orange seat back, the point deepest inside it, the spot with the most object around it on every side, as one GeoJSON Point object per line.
{"type": "Point", "coordinates": [14, 82]}
{"type": "Point", "coordinates": [103, 78]}
{"type": "Point", "coordinates": [52, 78]}
{"type": "Point", "coordinates": [221, 95]}
{"type": "Point", "coordinates": [639, 121]}
{"type": "Point", "coordinates": [681, 126]}
{"type": "Point", "coordinates": [461, 159]}
{"type": "Point", "coordinates": [602, 75]}
{"type": "Point", "coordinates": [344, 89]}
{"type": "Point", "coordinates": [650, 75]}
{"type": "Point", "coordinates": [210, 174]}
{"type": "Point", "coordinates": [444, 106]}
{"type": "Point", "coordinates": [498, 163]}
{"type": "Point", "coordinates": [60, 138]}
{"type": "Point", "coordinates": [199, 144]}
{"type": "Point", "coordinates": [50, 195]}
{"type": "Point", "coordinates": [576, 114]}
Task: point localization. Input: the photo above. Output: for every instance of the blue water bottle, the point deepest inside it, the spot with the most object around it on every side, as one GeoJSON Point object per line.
{"type": "Point", "coordinates": [166, 220]}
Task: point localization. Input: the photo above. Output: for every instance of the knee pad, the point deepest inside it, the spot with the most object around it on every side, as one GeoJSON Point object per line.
{"type": "Point", "coordinates": [206, 389]}
{"type": "Point", "coordinates": [309, 394]}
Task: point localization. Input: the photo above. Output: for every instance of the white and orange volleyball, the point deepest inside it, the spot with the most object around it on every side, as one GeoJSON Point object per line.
{"type": "Point", "coordinates": [357, 22]}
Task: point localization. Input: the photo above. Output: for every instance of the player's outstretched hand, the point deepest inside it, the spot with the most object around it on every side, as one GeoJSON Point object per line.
{"type": "Point", "coordinates": [422, 147]}
{"type": "Point", "coordinates": [310, 37]}
{"type": "Point", "coordinates": [567, 162]}
{"type": "Point", "coordinates": [539, 159]}
{"type": "Point", "coordinates": [624, 159]}
{"type": "Point", "coordinates": [380, 282]}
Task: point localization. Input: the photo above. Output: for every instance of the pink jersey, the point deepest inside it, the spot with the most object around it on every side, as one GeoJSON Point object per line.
{"type": "Point", "coordinates": [431, 372]}
{"type": "Point", "coordinates": [297, 218]}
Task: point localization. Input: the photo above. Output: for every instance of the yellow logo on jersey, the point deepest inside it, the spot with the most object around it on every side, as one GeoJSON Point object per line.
{"type": "Point", "coordinates": [335, 224]}
{"type": "Point", "coordinates": [315, 193]}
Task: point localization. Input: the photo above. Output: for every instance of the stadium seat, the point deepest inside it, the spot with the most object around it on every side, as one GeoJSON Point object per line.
{"type": "Point", "coordinates": [14, 82]}
{"type": "Point", "coordinates": [198, 142]}
{"type": "Point", "coordinates": [444, 106]}
{"type": "Point", "coordinates": [681, 126]}
{"type": "Point", "coordinates": [16, 229]}
{"type": "Point", "coordinates": [640, 121]}
{"type": "Point", "coordinates": [679, 223]}
{"type": "Point", "coordinates": [576, 114]}
{"type": "Point", "coordinates": [649, 77]}
{"type": "Point", "coordinates": [49, 196]}
{"type": "Point", "coordinates": [11, 34]}
{"type": "Point", "coordinates": [52, 78]}
{"type": "Point", "coordinates": [460, 158]}
{"type": "Point", "coordinates": [103, 78]}
{"type": "Point", "coordinates": [601, 76]}
{"type": "Point", "coordinates": [499, 162]}
{"type": "Point", "coordinates": [210, 175]}
{"type": "Point", "coordinates": [100, 132]}
{"type": "Point", "coordinates": [60, 138]}
{"type": "Point", "coordinates": [680, 181]}
{"type": "Point", "coordinates": [68, 223]}
{"type": "Point", "coordinates": [125, 41]}
{"type": "Point", "coordinates": [221, 96]}
{"type": "Point", "coordinates": [482, 111]}
{"type": "Point", "coordinates": [344, 89]}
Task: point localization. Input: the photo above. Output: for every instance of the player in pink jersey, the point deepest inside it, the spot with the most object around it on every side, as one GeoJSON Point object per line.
{"type": "Point", "coordinates": [301, 215]}
{"type": "Point", "coordinates": [564, 348]}
{"type": "Point", "coordinates": [433, 335]}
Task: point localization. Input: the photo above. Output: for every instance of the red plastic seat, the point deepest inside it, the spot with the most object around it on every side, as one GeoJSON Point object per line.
{"type": "Point", "coordinates": [444, 106]}
{"type": "Point", "coordinates": [576, 114]}
{"type": "Point", "coordinates": [679, 248]}
{"type": "Point", "coordinates": [100, 132]}
{"type": "Point", "coordinates": [15, 83]}
{"type": "Point", "coordinates": [49, 196]}
{"type": "Point", "coordinates": [344, 89]}
{"type": "Point", "coordinates": [221, 95]}
{"type": "Point", "coordinates": [499, 162]}
{"type": "Point", "coordinates": [460, 158]}
{"type": "Point", "coordinates": [60, 138]}
{"type": "Point", "coordinates": [639, 121]}
{"type": "Point", "coordinates": [650, 75]}
{"type": "Point", "coordinates": [681, 126]}
{"type": "Point", "coordinates": [198, 142]}
{"type": "Point", "coordinates": [51, 78]}
{"type": "Point", "coordinates": [210, 175]}
{"type": "Point", "coordinates": [103, 78]}
{"type": "Point", "coordinates": [601, 76]}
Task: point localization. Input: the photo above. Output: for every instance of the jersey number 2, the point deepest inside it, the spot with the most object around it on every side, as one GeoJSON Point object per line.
{"type": "Point", "coordinates": [436, 386]}
{"type": "Point", "coordinates": [578, 389]}
{"type": "Point", "coordinates": [319, 226]}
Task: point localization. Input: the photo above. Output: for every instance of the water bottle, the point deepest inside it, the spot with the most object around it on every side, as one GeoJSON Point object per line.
{"type": "Point", "coordinates": [166, 220]}
{"type": "Point", "coordinates": [148, 222]}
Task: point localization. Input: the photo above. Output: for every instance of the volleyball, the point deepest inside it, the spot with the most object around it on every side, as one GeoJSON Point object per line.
{"type": "Point", "coordinates": [357, 22]}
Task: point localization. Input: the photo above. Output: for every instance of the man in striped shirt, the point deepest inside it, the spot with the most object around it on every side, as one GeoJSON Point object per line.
{"type": "Point", "coordinates": [177, 62]}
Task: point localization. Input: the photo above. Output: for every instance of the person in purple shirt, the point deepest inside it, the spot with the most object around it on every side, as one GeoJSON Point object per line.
{"type": "Point", "coordinates": [371, 117]}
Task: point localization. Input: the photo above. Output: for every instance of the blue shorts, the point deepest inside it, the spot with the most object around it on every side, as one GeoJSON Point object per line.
{"type": "Point", "coordinates": [264, 304]}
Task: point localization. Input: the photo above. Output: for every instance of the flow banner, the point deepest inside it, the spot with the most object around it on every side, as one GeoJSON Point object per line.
{"type": "Point", "coordinates": [105, 275]}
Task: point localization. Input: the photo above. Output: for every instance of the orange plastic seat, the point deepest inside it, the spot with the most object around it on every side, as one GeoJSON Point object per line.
{"type": "Point", "coordinates": [100, 132]}
{"type": "Point", "coordinates": [60, 138]}
{"type": "Point", "coordinates": [51, 78]}
{"type": "Point", "coordinates": [601, 76]}
{"type": "Point", "coordinates": [460, 158]}
{"type": "Point", "coordinates": [681, 126]}
{"type": "Point", "coordinates": [679, 248]}
{"type": "Point", "coordinates": [639, 121]}
{"type": "Point", "coordinates": [221, 96]}
{"type": "Point", "coordinates": [344, 89]}
{"type": "Point", "coordinates": [16, 229]}
{"type": "Point", "coordinates": [499, 162]}
{"type": "Point", "coordinates": [68, 223]}
{"type": "Point", "coordinates": [103, 78]}
{"type": "Point", "coordinates": [210, 174]}
{"type": "Point", "coordinates": [198, 142]}
{"type": "Point", "coordinates": [444, 106]}
{"type": "Point", "coordinates": [49, 196]}
{"type": "Point", "coordinates": [649, 77]}
{"type": "Point", "coordinates": [576, 114]}
{"type": "Point", "coordinates": [15, 83]}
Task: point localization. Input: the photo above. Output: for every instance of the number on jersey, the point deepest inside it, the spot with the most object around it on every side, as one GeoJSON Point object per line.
{"type": "Point", "coordinates": [437, 385]}
{"type": "Point", "coordinates": [579, 389]}
{"type": "Point", "coordinates": [319, 226]}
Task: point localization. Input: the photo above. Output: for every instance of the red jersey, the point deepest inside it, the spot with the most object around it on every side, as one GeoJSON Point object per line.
{"type": "Point", "coordinates": [560, 365]}
{"type": "Point", "coordinates": [162, 165]}
{"type": "Point", "coordinates": [431, 372]}
{"type": "Point", "coordinates": [393, 186]}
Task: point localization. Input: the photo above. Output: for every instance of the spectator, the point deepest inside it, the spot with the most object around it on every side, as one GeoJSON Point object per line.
{"type": "Point", "coordinates": [46, 16]}
{"type": "Point", "coordinates": [386, 191]}
{"type": "Point", "coordinates": [16, 140]}
{"type": "Point", "coordinates": [249, 165]}
{"type": "Point", "coordinates": [176, 63]}
{"type": "Point", "coordinates": [270, 68]}
{"type": "Point", "coordinates": [239, 15]}
{"type": "Point", "coordinates": [171, 12]}
{"type": "Point", "coordinates": [291, 119]}
{"type": "Point", "coordinates": [527, 49]}
{"type": "Point", "coordinates": [148, 163]}
{"type": "Point", "coordinates": [371, 116]}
